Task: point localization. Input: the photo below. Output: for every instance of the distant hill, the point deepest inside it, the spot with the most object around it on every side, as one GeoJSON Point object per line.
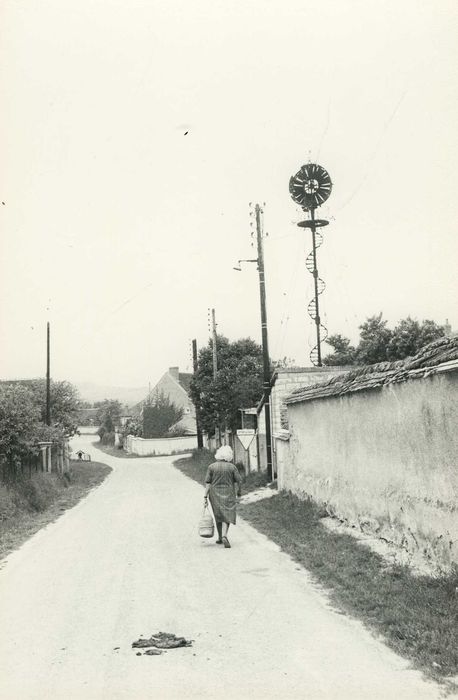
{"type": "Point", "coordinates": [98, 392]}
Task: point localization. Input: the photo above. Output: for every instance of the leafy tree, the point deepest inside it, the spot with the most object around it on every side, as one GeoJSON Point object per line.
{"type": "Point", "coordinates": [409, 336]}
{"type": "Point", "coordinates": [238, 383]}
{"type": "Point", "coordinates": [159, 414]}
{"type": "Point", "coordinates": [108, 415]}
{"type": "Point", "coordinates": [374, 340]}
{"type": "Point", "coordinates": [65, 404]}
{"type": "Point", "coordinates": [379, 343]}
{"type": "Point", "coordinates": [19, 420]}
{"type": "Point", "coordinates": [344, 353]}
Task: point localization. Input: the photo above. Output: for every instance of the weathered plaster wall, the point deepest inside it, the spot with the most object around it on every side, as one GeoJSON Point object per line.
{"type": "Point", "coordinates": [384, 460]}
{"type": "Point", "coordinates": [292, 378]}
{"type": "Point", "coordinates": [159, 446]}
{"type": "Point", "coordinates": [286, 381]}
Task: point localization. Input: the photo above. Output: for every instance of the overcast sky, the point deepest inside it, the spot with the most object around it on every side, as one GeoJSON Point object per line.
{"type": "Point", "coordinates": [135, 134]}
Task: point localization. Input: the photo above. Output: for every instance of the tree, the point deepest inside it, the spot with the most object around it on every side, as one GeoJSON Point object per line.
{"type": "Point", "coordinates": [159, 414]}
{"type": "Point", "coordinates": [378, 343]}
{"type": "Point", "coordinates": [409, 336]}
{"type": "Point", "coordinates": [19, 420]}
{"type": "Point", "coordinates": [238, 383]}
{"type": "Point", "coordinates": [108, 415]}
{"type": "Point", "coordinates": [65, 404]}
{"type": "Point", "coordinates": [133, 426]}
{"type": "Point", "coordinates": [374, 340]}
{"type": "Point", "coordinates": [344, 353]}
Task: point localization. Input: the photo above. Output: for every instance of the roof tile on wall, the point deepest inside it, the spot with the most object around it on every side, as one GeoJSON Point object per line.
{"type": "Point", "coordinates": [440, 355]}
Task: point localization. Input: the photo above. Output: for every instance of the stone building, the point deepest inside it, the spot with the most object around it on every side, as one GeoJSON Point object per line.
{"type": "Point", "coordinates": [175, 386]}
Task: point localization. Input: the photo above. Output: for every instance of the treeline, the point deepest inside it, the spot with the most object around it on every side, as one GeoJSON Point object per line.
{"type": "Point", "coordinates": [379, 343]}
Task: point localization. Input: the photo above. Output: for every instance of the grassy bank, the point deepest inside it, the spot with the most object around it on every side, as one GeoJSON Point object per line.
{"type": "Point", "coordinates": [114, 451]}
{"type": "Point", "coordinates": [30, 504]}
{"type": "Point", "coordinates": [196, 468]}
{"type": "Point", "coordinates": [416, 616]}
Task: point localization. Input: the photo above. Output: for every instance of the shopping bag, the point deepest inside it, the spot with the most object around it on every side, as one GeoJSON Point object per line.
{"type": "Point", "coordinates": [206, 525]}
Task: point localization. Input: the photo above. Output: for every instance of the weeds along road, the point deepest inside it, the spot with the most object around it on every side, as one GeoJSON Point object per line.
{"type": "Point", "coordinates": [127, 562]}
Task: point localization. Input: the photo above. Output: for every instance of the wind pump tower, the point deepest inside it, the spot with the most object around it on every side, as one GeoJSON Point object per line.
{"type": "Point", "coordinates": [310, 188]}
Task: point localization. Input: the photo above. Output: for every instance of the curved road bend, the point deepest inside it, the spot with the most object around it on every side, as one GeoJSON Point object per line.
{"type": "Point", "coordinates": [127, 562]}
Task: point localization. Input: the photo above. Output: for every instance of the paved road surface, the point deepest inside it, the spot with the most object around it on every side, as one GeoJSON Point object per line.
{"type": "Point", "coordinates": [127, 562]}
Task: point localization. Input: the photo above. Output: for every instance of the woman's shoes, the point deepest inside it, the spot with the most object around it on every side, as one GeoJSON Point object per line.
{"type": "Point", "coordinates": [226, 543]}
{"type": "Point", "coordinates": [219, 541]}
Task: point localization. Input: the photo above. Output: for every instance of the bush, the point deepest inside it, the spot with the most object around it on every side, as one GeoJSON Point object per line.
{"type": "Point", "coordinates": [39, 491]}
{"type": "Point", "coordinates": [8, 506]}
{"type": "Point", "coordinates": [177, 431]}
{"type": "Point", "coordinates": [107, 438]}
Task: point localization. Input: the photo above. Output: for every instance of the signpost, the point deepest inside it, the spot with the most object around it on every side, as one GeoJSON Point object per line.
{"type": "Point", "coordinates": [246, 436]}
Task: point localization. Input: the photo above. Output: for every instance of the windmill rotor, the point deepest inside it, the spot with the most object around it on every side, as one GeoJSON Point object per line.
{"type": "Point", "coordinates": [310, 186]}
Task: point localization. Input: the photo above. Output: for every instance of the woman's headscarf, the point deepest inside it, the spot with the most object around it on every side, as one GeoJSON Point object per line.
{"type": "Point", "coordinates": [224, 454]}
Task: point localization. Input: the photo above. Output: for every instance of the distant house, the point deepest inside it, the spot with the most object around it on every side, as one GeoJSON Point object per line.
{"type": "Point", "coordinates": [175, 386]}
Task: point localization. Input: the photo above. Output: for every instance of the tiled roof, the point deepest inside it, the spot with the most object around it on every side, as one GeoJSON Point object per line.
{"type": "Point", "coordinates": [188, 423]}
{"type": "Point", "coordinates": [439, 356]}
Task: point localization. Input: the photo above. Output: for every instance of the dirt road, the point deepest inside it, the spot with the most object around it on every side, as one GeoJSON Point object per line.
{"type": "Point", "coordinates": [127, 562]}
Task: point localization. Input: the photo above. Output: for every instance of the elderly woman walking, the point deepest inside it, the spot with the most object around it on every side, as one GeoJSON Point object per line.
{"type": "Point", "coordinates": [222, 482]}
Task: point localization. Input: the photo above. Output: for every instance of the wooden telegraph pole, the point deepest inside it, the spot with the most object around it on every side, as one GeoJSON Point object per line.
{"type": "Point", "coordinates": [215, 373]}
{"type": "Point", "coordinates": [200, 442]}
{"type": "Point", "coordinates": [48, 377]}
{"type": "Point", "coordinates": [265, 344]}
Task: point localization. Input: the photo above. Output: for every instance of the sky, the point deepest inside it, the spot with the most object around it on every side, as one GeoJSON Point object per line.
{"type": "Point", "coordinates": [136, 133]}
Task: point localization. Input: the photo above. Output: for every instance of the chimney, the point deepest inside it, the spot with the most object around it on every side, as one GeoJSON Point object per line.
{"type": "Point", "coordinates": [174, 372]}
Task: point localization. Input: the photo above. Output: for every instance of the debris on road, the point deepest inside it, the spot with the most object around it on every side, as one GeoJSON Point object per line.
{"type": "Point", "coordinates": [160, 642]}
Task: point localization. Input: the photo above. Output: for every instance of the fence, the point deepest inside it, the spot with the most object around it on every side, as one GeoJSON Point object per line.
{"type": "Point", "coordinates": [48, 457]}
{"type": "Point", "coordinates": [12, 468]}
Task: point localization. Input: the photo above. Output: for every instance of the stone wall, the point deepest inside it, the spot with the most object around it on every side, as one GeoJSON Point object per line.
{"type": "Point", "coordinates": [383, 460]}
{"type": "Point", "coordinates": [286, 381]}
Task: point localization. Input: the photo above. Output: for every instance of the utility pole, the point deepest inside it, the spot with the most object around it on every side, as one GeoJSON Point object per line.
{"type": "Point", "coordinates": [200, 442]}
{"type": "Point", "coordinates": [48, 377]}
{"type": "Point", "coordinates": [265, 345]}
{"type": "Point", "coordinates": [215, 373]}
{"type": "Point", "coordinates": [215, 359]}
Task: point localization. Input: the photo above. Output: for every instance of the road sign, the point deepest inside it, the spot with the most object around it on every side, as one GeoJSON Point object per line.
{"type": "Point", "coordinates": [246, 436]}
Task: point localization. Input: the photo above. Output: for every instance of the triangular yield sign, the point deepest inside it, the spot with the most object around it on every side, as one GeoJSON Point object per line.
{"type": "Point", "coordinates": [246, 436]}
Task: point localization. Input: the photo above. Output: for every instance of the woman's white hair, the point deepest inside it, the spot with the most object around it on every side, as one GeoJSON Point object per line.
{"type": "Point", "coordinates": [224, 454]}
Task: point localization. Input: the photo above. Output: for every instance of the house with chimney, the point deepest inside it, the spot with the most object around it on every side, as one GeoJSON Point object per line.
{"type": "Point", "coordinates": [175, 385]}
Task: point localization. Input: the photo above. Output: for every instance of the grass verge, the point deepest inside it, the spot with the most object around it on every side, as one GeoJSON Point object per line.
{"type": "Point", "coordinates": [196, 468]}
{"type": "Point", "coordinates": [33, 503]}
{"type": "Point", "coordinates": [114, 451]}
{"type": "Point", "coordinates": [416, 616]}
